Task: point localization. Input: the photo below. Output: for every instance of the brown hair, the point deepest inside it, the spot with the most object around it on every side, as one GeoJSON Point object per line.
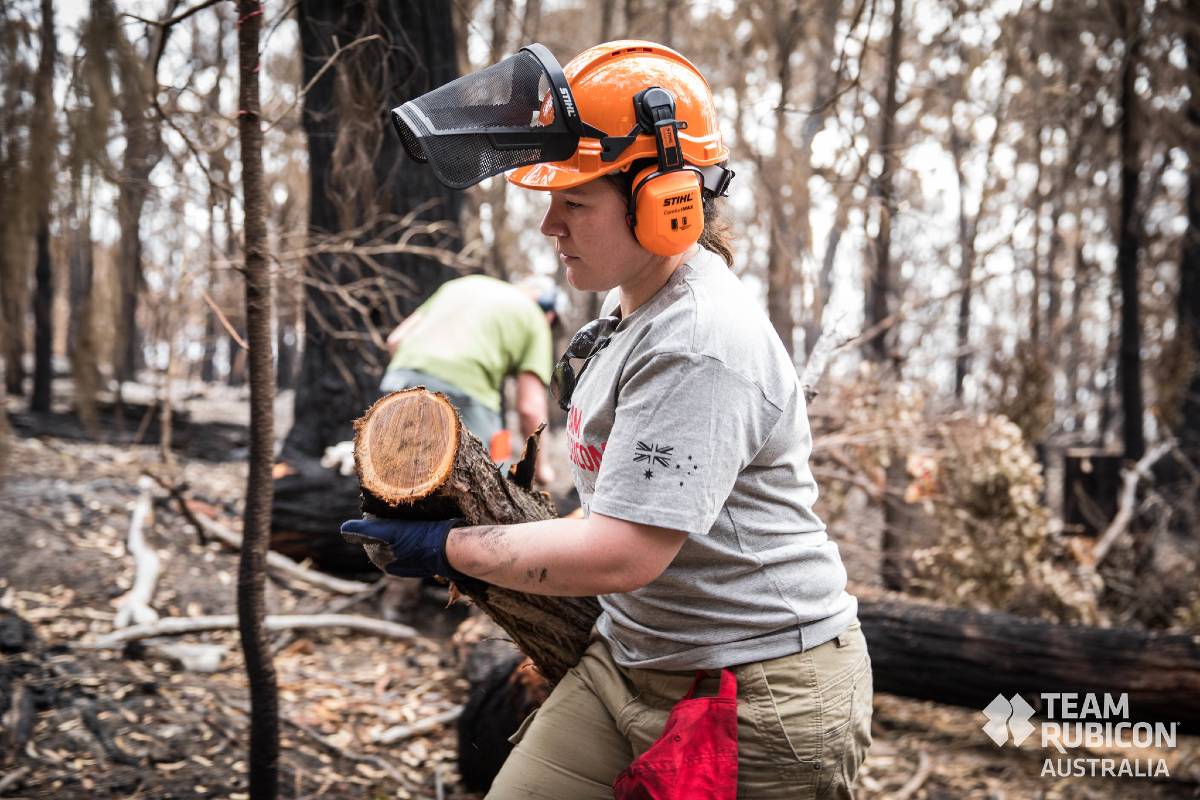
{"type": "Point", "coordinates": [716, 236]}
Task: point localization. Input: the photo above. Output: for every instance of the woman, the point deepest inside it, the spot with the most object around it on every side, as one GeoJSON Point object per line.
{"type": "Point", "coordinates": [689, 442]}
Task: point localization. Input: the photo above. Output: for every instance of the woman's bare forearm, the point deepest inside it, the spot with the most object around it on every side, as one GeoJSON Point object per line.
{"type": "Point", "coordinates": [565, 557]}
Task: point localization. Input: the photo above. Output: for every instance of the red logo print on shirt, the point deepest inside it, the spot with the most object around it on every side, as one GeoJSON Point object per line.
{"type": "Point", "coordinates": [585, 456]}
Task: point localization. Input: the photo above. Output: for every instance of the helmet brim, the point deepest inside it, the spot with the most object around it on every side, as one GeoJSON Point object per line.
{"type": "Point", "coordinates": [553, 175]}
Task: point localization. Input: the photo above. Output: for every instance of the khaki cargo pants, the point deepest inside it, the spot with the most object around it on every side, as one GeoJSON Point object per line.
{"type": "Point", "coordinates": [804, 725]}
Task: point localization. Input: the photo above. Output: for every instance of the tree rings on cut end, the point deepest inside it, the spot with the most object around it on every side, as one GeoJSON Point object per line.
{"type": "Point", "coordinates": [406, 444]}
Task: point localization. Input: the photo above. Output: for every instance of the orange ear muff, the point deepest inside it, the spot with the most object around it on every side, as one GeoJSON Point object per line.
{"type": "Point", "coordinates": [668, 213]}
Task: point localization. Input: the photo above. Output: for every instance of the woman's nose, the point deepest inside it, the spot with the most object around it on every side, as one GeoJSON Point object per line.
{"type": "Point", "coordinates": [551, 224]}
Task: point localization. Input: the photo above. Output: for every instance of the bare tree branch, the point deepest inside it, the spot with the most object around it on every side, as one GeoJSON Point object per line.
{"type": "Point", "coordinates": [1129, 483]}
{"type": "Point", "coordinates": [233, 334]}
{"type": "Point", "coordinates": [177, 626]}
{"type": "Point", "coordinates": [324, 68]}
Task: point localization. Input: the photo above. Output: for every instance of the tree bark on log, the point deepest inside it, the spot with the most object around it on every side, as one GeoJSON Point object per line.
{"type": "Point", "coordinates": [415, 460]}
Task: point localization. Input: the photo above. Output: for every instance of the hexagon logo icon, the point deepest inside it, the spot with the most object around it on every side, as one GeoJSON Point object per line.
{"type": "Point", "coordinates": [1008, 715]}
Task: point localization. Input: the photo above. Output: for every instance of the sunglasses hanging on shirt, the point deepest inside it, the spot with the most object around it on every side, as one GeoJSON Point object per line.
{"type": "Point", "coordinates": [586, 343]}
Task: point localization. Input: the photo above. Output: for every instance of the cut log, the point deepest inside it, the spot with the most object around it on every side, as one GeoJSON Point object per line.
{"type": "Point", "coordinates": [415, 460]}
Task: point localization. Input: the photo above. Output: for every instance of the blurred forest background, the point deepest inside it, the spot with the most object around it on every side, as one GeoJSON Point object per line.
{"type": "Point", "coordinates": [974, 223]}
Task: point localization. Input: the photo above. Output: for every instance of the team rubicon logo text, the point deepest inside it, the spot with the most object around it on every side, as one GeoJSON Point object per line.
{"type": "Point", "coordinates": [1076, 721]}
{"type": "Point", "coordinates": [583, 455]}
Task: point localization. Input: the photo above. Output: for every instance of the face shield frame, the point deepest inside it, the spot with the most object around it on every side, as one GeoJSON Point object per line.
{"type": "Point", "coordinates": [496, 148]}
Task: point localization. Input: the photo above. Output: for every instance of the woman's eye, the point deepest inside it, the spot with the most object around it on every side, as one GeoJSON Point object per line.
{"type": "Point", "coordinates": [572, 204]}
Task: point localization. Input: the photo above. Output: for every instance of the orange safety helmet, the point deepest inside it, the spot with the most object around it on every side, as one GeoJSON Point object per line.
{"type": "Point", "coordinates": [614, 105]}
{"type": "Point", "coordinates": [604, 81]}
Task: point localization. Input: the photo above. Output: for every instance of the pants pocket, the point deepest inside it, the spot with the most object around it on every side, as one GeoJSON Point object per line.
{"type": "Point", "coordinates": [816, 706]}
{"type": "Point", "coordinates": [846, 705]}
{"type": "Point", "coordinates": [779, 735]}
{"type": "Point", "coordinates": [858, 736]}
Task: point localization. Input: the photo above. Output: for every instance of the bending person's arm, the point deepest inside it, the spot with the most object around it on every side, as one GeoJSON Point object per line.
{"type": "Point", "coordinates": [393, 340]}
{"type": "Point", "coordinates": [532, 406]}
{"type": "Point", "coordinates": [566, 557]}
{"type": "Point", "coordinates": [533, 409]}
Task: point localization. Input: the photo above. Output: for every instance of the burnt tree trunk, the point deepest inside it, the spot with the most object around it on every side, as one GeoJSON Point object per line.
{"type": "Point", "coordinates": [825, 85]}
{"type": "Point", "coordinates": [415, 460]}
{"type": "Point", "coordinates": [339, 375]}
{"type": "Point", "coordinates": [1129, 361]}
{"type": "Point", "coordinates": [502, 14]}
{"type": "Point", "coordinates": [14, 277]}
{"type": "Point", "coordinates": [1076, 380]}
{"type": "Point", "coordinates": [256, 525]}
{"type": "Point", "coordinates": [218, 168]}
{"type": "Point", "coordinates": [966, 269]}
{"type": "Point", "coordinates": [42, 143]}
{"type": "Point", "coordinates": [878, 297]}
{"type": "Point", "coordinates": [43, 332]}
{"type": "Point", "coordinates": [879, 287]}
{"type": "Point", "coordinates": [143, 149]}
{"type": "Point", "coordinates": [1189, 258]}
{"type": "Point", "coordinates": [81, 340]}
{"type": "Point", "coordinates": [781, 278]}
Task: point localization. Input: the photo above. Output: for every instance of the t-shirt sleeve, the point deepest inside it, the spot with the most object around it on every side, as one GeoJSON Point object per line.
{"type": "Point", "coordinates": [685, 426]}
{"type": "Point", "coordinates": [535, 355]}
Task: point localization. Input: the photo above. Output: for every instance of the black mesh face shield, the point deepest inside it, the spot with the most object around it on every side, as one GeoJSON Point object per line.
{"type": "Point", "coordinates": [512, 114]}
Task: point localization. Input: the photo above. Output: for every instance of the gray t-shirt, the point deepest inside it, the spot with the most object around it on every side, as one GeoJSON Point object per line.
{"type": "Point", "coordinates": [692, 418]}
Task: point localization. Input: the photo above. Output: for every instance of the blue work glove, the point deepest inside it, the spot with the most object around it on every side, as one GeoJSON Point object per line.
{"type": "Point", "coordinates": [407, 548]}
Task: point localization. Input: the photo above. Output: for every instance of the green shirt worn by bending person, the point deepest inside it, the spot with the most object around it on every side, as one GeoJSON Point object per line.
{"type": "Point", "coordinates": [472, 333]}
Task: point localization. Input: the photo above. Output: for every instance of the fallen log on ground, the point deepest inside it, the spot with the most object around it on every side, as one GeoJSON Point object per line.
{"type": "Point", "coordinates": [965, 658]}
{"type": "Point", "coordinates": [415, 461]}
{"type": "Point", "coordinates": [277, 563]}
{"type": "Point", "coordinates": [309, 504]}
{"type": "Point", "coordinates": [139, 423]}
